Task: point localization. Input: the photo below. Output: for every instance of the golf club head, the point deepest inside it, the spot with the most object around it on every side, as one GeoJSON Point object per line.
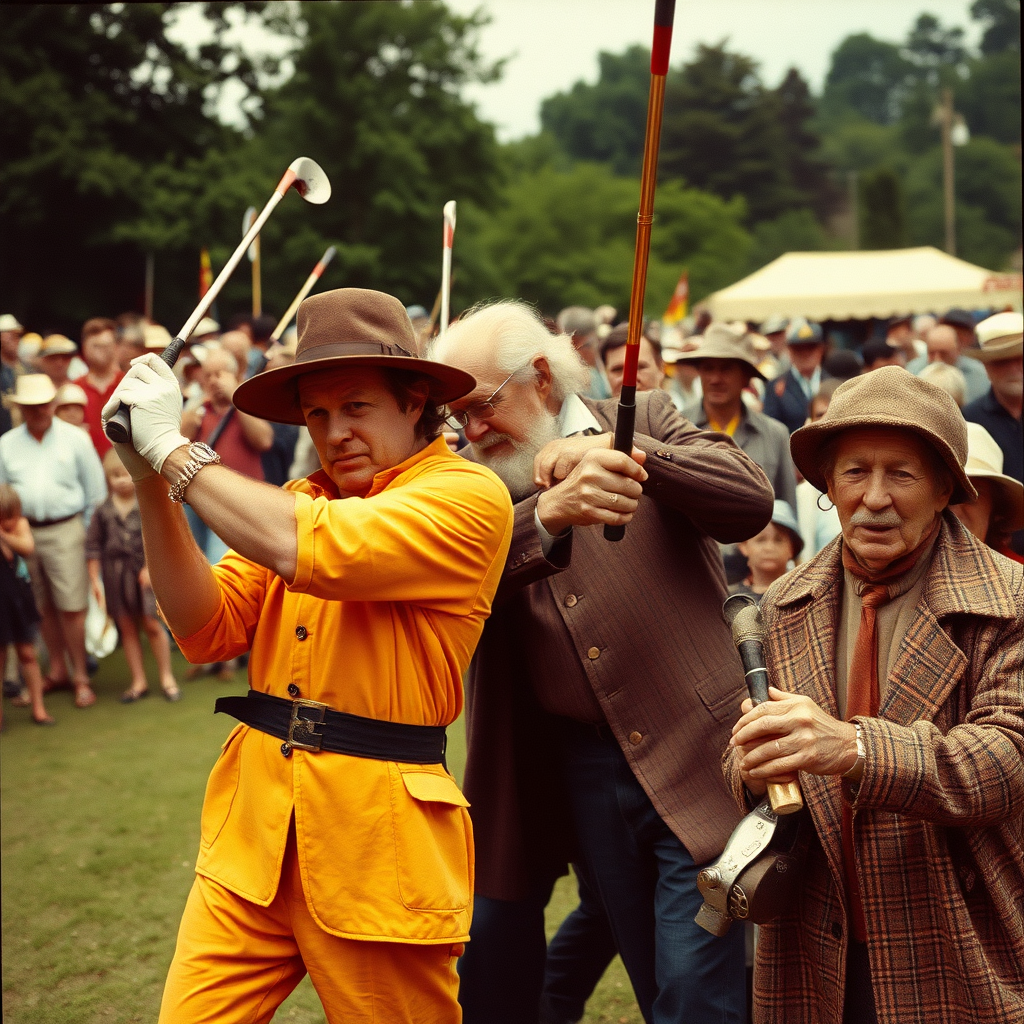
{"type": "Point", "coordinates": [310, 180]}
{"type": "Point", "coordinates": [250, 216]}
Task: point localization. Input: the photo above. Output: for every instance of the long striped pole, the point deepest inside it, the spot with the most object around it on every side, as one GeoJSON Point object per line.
{"type": "Point", "coordinates": [625, 421]}
{"type": "Point", "coordinates": [315, 276]}
{"type": "Point", "coordinates": [446, 263]}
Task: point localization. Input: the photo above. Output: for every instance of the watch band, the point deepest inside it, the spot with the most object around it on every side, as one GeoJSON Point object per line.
{"type": "Point", "coordinates": [199, 455]}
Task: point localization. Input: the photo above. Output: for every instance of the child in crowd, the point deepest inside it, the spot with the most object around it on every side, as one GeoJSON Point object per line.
{"type": "Point", "coordinates": [71, 402]}
{"type": "Point", "coordinates": [114, 552]}
{"type": "Point", "coordinates": [770, 552]}
{"type": "Point", "coordinates": [19, 617]}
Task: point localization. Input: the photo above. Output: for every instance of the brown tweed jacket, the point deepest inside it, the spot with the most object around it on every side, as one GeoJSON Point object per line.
{"type": "Point", "coordinates": [939, 831]}
{"type": "Point", "coordinates": [643, 618]}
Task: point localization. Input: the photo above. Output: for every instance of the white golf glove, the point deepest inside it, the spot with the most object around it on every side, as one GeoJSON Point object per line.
{"type": "Point", "coordinates": [151, 390]}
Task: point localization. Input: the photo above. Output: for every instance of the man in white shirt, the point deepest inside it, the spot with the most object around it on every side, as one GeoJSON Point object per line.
{"type": "Point", "coordinates": [59, 479]}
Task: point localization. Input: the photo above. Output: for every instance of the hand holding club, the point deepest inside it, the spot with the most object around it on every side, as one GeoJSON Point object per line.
{"type": "Point", "coordinates": [558, 458]}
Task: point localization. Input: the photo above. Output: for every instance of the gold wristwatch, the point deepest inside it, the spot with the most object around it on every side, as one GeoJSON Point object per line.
{"type": "Point", "coordinates": [199, 455]}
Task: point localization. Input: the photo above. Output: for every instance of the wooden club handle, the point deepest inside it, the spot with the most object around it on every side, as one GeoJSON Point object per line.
{"type": "Point", "coordinates": [786, 797]}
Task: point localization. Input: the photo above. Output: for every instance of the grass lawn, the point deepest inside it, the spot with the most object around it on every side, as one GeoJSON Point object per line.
{"type": "Point", "coordinates": [99, 833]}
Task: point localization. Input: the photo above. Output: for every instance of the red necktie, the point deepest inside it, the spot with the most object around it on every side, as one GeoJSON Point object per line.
{"type": "Point", "coordinates": [862, 700]}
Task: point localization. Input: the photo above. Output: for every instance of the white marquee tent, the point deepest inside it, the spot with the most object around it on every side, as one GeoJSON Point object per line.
{"type": "Point", "coordinates": [860, 285]}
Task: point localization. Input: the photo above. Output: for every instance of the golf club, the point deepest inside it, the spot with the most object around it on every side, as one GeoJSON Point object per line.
{"type": "Point", "coordinates": [318, 270]}
{"type": "Point", "coordinates": [446, 262]}
{"type": "Point", "coordinates": [254, 259]}
{"type": "Point", "coordinates": [310, 181]}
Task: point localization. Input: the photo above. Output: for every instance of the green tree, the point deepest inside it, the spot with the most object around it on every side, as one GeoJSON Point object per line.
{"type": "Point", "coordinates": [604, 122]}
{"type": "Point", "coordinates": [867, 77]}
{"type": "Point", "coordinates": [375, 99]}
{"type": "Point", "coordinates": [567, 236]}
{"type": "Point", "coordinates": [1001, 19]}
{"type": "Point", "coordinates": [92, 96]}
{"type": "Point", "coordinates": [881, 210]}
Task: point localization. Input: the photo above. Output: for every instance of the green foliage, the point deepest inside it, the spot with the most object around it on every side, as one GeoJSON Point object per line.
{"type": "Point", "coordinates": [567, 236]}
{"type": "Point", "coordinates": [92, 97]}
{"type": "Point", "coordinates": [605, 122]}
{"type": "Point", "coordinates": [881, 210]}
{"type": "Point", "coordinates": [793, 231]}
{"type": "Point", "coordinates": [1002, 25]}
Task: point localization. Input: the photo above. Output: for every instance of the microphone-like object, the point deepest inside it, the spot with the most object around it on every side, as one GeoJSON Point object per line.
{"type": "Point", "coordinates": [744, 617]}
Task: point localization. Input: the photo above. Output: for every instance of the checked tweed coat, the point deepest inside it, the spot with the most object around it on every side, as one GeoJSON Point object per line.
{"type": "Point", "coordinates": [938, 815]}
{"type": "Point", "coordinates": [642, 618]}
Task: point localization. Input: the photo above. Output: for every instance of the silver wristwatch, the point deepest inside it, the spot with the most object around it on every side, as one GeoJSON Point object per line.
{"type": "Point", "coordinates": [199, 455]}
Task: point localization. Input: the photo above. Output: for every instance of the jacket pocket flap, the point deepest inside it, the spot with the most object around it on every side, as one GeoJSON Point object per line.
{"type": "Point", "coordinates": [434, 788]}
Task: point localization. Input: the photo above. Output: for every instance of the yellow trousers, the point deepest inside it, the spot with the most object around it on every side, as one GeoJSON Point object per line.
{"type": "Point", "coordinates": [236, 962]}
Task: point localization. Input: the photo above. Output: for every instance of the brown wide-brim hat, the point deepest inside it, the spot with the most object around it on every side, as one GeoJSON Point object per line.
{"type": "Point", "coordinates": [892, 399]}
{"type": "Point", "coordinates": [721, 342]}
{"type": "Point", "coordinates": [347, 327]}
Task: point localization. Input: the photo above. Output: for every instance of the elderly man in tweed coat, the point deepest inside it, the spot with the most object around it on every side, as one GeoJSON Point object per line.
{"type": "Point", "coordinates": [605, 682]}
{"type": "Point", "coordinates": [901, 650]}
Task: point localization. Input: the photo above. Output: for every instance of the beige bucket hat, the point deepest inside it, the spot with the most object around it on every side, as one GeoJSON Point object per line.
{"type": "Point", "coordinates": [985, 462]}
{"type": "Point", "coordinates": [71, 394]}
{"type": "Point", "coordinates": [890, 398]}
{"type": "Point", "coordinates": [347, 327]}
{"type": "Point", "coordinates": [723, 342]}
{"type": "Point", "coordinates": [999, 337]}
{"type": "Point", "coordinates": [155, 338]}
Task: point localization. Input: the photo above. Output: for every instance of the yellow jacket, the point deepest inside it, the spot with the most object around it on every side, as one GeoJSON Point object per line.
{"type": "Point", "coordinates": [388, 602]}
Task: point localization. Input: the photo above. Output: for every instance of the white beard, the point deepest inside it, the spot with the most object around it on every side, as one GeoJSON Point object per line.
{"type": "Point", "coordinates": [516, 467]}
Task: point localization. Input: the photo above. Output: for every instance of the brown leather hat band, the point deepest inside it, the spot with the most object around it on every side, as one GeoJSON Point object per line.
{"type": "Point", "coordinates": [349, 348]}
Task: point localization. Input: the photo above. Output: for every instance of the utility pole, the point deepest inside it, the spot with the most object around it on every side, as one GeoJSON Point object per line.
{"type": "Point", "coordinates": [948, 203]}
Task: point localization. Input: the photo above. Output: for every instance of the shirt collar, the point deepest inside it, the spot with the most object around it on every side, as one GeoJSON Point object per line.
{"type": "Point", "coordinates": [574, 417]}
{"type": "Point", "coordinates": [386, 477]}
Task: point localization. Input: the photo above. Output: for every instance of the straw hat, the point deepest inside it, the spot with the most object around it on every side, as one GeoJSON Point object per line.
{"type": "Point", "coordinates": [155, 338]}
{"type": "Point", "coordinates": [722, 342]}
{"type": "Point", "coordinates": [985, 461]}
{"type": "Point", "coordinates": [9, 322]}
{"type": "Point", "coordinates": [999, 337]}
{"type": "Point", "coordinates": [889, 397]}
{"type": "Point", "coordinates": [33, 389]}
{"type": "Point", "coordinates": [206, 326]}
{"type": "Point", "coordinates": [347, 327]}
{"type": "Point", "coordinates": [57, 345]}
{"type": "Point", "coordinates": [71, 394]}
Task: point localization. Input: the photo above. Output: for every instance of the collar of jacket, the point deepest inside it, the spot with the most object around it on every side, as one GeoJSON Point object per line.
{"type": "Point", "coordinates": [964, 577]}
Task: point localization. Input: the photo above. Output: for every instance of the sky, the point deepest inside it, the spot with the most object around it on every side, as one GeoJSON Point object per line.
{"type": "Point", "coordinates": [551, 44]}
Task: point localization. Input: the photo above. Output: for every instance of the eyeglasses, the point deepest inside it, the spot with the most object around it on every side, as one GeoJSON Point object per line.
{"type": "Point", "coordinates": [459, 419]}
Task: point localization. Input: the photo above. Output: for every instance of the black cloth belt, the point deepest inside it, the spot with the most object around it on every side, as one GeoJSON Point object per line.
{"type": "Point", "coordinates": [309, 725]}
{"type": "Point", "coordinates": [36, 523]}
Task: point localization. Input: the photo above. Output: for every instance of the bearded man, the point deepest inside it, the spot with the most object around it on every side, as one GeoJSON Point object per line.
{"type": "Point", "coordinates": [898, 656]}
{"type": "Point", "coordinates": [601, 690]}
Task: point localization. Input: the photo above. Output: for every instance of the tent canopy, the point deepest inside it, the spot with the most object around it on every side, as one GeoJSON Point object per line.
{"type": "Point", "coordinates": [860, 285]}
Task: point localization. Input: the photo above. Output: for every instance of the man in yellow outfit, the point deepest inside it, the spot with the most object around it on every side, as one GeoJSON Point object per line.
{"type": "Point", "coordinates": [334, 841]}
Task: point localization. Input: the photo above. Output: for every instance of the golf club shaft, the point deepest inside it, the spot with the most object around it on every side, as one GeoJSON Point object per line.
{"type": "Point", "coordinates": [446, 264]}
{"type": "Point", "coordinates": [664, 12]}
{"type": "Point", "coordinates": [315, 276]}
{"type": "Point", "coordinates": [118, 427]}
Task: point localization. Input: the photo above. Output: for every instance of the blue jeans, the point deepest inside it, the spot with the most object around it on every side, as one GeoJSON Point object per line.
{"type": "Point", "coordinates": [647, 882]}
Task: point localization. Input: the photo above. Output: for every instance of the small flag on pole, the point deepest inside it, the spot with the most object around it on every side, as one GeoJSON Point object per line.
{"type": "Point", "coordinates": [679, 304]}
{"type": "Point", "coordinates": [205, 272]}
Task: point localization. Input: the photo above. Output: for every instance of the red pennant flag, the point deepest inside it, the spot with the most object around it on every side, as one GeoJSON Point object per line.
{"type": "Point", "coordinates": [205, 272]}
{"type": "Point", "coordinates": [679, 304]}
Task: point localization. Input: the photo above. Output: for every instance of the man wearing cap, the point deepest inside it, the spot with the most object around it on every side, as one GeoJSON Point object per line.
{"type": "Point", "coordinates": [788, 396]}
{"type": "Point", "coordinates": [334, 841]}
{"type": "Point", "coordinates": [1001, 353]}
{"type": "Point", "coordinates": [57, 474]}
{"type": "Point", "coordinates": [55, 355]}
{"type": "Point", "coordinates": [726, 368]}
{"type": "Point", "coordinates": [897, 660]}
{"type": "Point", "coordinates": [774, 332]}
